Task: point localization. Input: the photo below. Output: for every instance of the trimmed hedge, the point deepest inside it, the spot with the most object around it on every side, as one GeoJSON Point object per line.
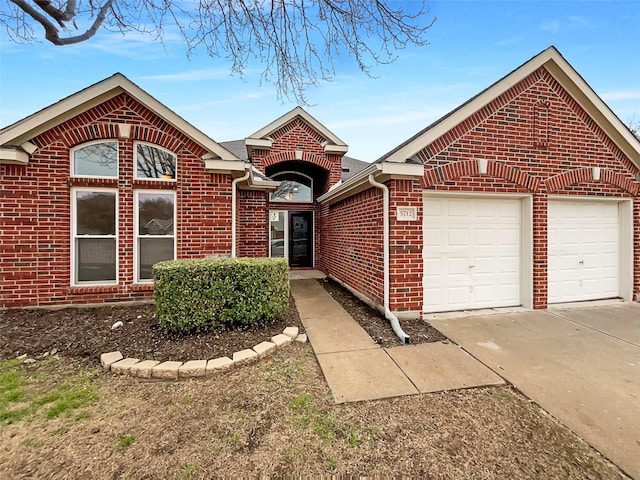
{"type": "Point", "coordinates": [201, 294]}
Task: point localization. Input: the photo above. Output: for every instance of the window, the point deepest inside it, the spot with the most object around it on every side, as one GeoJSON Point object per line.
{"type": "Point", "coordinates": [155, 230]}
{"type": "Point", "coordinates": [94, 258]}
{"type": "Point", "coordinates": [278, 229]}
{"type": "Point", "coordinates": [294, 187]}
{"type": "Point", "coordinates": [154, 162]}
{"type": "Point", "coordinates": [96, 159]}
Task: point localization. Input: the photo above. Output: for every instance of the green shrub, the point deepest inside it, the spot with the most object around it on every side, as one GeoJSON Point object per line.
{"type": "Point", "coordinates": [201, 294]}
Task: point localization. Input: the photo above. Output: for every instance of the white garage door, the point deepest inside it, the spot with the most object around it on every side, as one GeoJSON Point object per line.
{"type": "Point", "coordinates": [583, 250]}
{"type": "Point", "coordinates": [471, 253]}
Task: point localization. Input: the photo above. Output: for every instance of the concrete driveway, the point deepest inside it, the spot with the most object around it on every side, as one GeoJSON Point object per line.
{"type": "Point", "coordinates": [581, 364]}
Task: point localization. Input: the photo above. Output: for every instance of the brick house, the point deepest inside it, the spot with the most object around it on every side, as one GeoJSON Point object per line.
{"type": "Point", "coordinates": [528, 194]}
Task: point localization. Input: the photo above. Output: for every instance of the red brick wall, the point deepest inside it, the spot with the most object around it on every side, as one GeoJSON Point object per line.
{"type": "Point", "coordinates": [35, 217]}
{"type": "Point", "coordinates": [636, 250]}
{"type": "Point", "coordinates": [298, 136]}
{"type": "Point", "coordinates": [298, 147]}
{"type": "Point", "coordinates": [352, 242]}
{"type": "Point", "coordinates": [405, 244]}
{"type": "Point", "coordinates": [252, 224]}
{"type": "Point", "coordinates": [527, 154]}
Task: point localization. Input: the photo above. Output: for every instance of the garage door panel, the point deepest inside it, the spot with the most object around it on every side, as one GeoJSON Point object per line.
{"type": "Point", "coordinates": [509, 265]}
{"type": "Point", "coordinates": [457, 266]}
{"type": "Point", "coordinates": [508, 237]}
{"type": "Point", "coordinates": [459, 209]}
{"type": "Point", "coordinates": [458, 237]}
{"type": "Point", "coordinates": [433, 236]}
{"type": "Point", "coordinates": [483, 265]}
{"type": "Point", "coordinates": [484, 236]}
{"type": "Point", "coordinates": [479, 253]}
{"type": "Point", "coordinates": [583, 253]}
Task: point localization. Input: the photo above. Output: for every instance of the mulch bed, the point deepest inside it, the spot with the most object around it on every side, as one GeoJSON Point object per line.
{"type": "Point", "coordinates": [374, 322]}
{"type": "Point", "coordinates": [85, 333]}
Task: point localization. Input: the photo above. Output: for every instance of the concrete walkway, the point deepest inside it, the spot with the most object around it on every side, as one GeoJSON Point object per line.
{"type": "Point", "coordinates": [357, 369]}
{"type": "Point", "coordinates": [582, 365]}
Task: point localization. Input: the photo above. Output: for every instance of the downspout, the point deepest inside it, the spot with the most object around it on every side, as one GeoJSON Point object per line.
{"type": "Point", "coordinates": [393, 320]}
{"type": "Point", "coordinates": [233, 210]}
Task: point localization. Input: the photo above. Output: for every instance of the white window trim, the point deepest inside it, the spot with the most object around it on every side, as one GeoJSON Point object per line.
{"type": "Point", "coordinates": [286, 232]}
{"type": "Point", "coordinates": [72, 160]}
{"type": "Point", "coordinates": [137, 236]}
{"type": "Point", "coordinates": [135, 162]}
{"type": "Point", "coordinates": [74, 236]}
{"type": "Point", "coordinates": [526, 233]}
{"type": "Point", "coordinates": [293, 172]}
{"type": "Point", "coordinates": [625, 237]}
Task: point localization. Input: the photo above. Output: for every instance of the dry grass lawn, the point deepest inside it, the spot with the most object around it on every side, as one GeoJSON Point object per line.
{"type": "Point", "coordinates": [273, 418]}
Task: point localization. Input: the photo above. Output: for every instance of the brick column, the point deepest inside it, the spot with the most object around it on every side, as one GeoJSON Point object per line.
{"type": "Point", "coordinates": [636, 249]}
{"type": "Point", "coordinates": [405, 245]}
{"type": "Point", "coordinates": [540, 245]}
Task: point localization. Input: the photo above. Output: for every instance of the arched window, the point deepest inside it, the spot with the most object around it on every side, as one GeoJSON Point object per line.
{"type": "Point", "coordinates": [294, 187]}
{"type": "Point", "coordinates": [154, 162]}
{"type": "Point", "coordinates": [95, 159]}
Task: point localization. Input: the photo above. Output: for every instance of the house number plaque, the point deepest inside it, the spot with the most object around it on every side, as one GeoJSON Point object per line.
{"type": "Point", "coordinates": [407, 213]}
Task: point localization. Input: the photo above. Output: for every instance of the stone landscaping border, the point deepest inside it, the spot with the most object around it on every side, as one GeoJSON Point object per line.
{"type": "Point", "coordinates": [173, 370]}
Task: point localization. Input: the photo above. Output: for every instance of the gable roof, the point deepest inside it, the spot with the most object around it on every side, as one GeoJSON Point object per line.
{"type": "Point", "coordinates": [350, 166]}
{"type": "Point", "coordinates": [564, 74]}
{"type": "Point", "coordinates": [14, 139]}
{"type": "Point", "coordinates": [261, 138]}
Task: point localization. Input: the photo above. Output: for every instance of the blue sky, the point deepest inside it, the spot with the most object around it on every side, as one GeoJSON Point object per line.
{"type": "Point", "coordinates": [472, 44]}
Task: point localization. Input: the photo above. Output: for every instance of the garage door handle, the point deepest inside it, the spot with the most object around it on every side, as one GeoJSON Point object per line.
{"type": "Point", "coordinates": [581, 262]}
{"type": "Point", "coordinates": [472, 266]}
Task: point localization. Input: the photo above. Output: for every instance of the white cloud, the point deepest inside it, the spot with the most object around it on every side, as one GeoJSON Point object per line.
{"type": "Point", "coordinates": [551, 26]}
{"type": "Point", "coordinates": [571, 22]}
{"type": "Point", "coordinates": [190, 75]}
{"type": "Point", "coordinates": [579, 22]}
{"type": "Point", "coordinates": [622, 95]}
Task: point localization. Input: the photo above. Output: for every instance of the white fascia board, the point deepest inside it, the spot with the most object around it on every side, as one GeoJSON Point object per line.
{"type": "Point", "coordinates": [330, 148]}
{"type": "Point", "coordinates": [29, 147]}
{"type": "Point", "coordinates": [401, 169]}
{"type": "Point", "coordinates": [596, 108]}
{"type": "Point", "coordinates": [259, 184]}
{"type": "Point", "coordinates": [237, 169]}
{"type": "Point", "coordinates": [263, 143]}
{"type": "Point", "coordinates": [352, 186]}
{"type": "Point", "coordinates": [177, 121]}
{"type": "Point", "coordinates": [217, 165]}
{"type": "Point", "coordinates": [13, 156]}
{"type": "Point", "coordinates": [382, 171]}
{"type": "Point", "coordinates": [462, 114]}
{"type": "Point", "coordinates": [40, 122]}
{"type": "Point", "coordinates": [570, 80]}
{"type": "Point", "coordinates": [290, 115]}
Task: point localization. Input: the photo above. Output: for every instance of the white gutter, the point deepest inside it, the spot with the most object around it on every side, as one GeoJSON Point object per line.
{"type": "Point", "coordinates": [393, 320]}
{"type": "Point", "coordinates": [233, 209]}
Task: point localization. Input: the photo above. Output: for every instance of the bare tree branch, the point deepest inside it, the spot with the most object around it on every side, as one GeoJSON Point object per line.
{"type": "Point", "coordinates": [52, 33]}
{"type": "Point", "coordinates": [296, 42]}
{"type": "Point", "coordinates": [56, 13]}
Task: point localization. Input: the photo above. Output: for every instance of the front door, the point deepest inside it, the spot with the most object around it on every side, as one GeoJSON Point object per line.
{"type": "Point", "coordinates": [292, 237]}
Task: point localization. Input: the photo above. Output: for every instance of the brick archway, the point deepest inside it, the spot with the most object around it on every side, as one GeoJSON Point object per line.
{"type": "Point", "coordinates": [589, 174]}
{"type": "Point", "coordinates": [454, 170]}
{"type": "Point", "coordinates": [301, 156]}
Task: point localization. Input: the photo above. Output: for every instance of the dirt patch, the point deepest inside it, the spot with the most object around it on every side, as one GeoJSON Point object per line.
{"type": "Point", "coordinates": [276, 418]}
{"type": "Point", "coordinates": [86, 333]}
{"type": "Point", "coordinates": [273, 418]}
{"type": "Point", "coordinates": [374, 322]}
